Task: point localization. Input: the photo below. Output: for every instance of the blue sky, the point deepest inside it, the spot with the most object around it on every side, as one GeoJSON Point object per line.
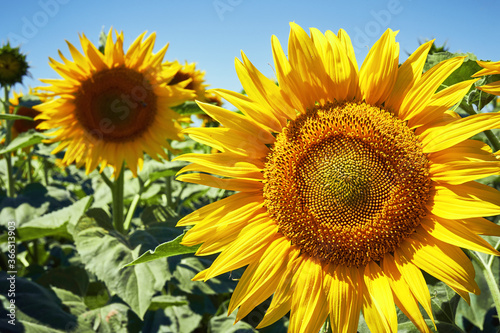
{"type": "Point", "coordinates": [213, 32]}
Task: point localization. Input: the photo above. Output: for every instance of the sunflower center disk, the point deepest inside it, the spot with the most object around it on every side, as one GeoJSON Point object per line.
{"type": "Point", "coordinates": [347, 183]}
{"type": "Point", "coordinates": [118, 104]}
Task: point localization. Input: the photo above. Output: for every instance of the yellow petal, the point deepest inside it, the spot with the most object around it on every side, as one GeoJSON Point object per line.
{"type": "Point", "coordinates": [459, 172]}
{"type": "Point", "coordinates": [421, 93]}
{"type": "Point", "coordinates": [248, 247]}
{"type": "Point", "coordinates": [236, 184]}
{"type": "Point", "coordinates": [445, 262]}
{"type": "Point", "coordinates": [289, 79]}
{"type": "Point", "coordinates": [378, 304]}
{"type": "Point", "coordinates": [261, 277]}
{"type": "Point", "coordinates": [403, 296]}
{"type": "Point", "coordinates": [238, 122]}
{"type": "Point", "coordinates": [251, 109]}
{"type": "Point", "coordinates": [466, 200]}
{"type": "Point", "coordinates": [482, 226]}
{"type": "Point", "coordinates": [380, 68]}
{"type": "Point", "coordinates": [263, 90]}
{"type": "Point", "coordinates": [309, 302]}
{"type": "Point", "coordinates": [344, 287]}
{"type": "Point", "coordinates": [491, 88]}
{"type": "Point", "coordinates": [439, 104]}
{"type": "Point", "coordinates": [216, 210]}
{"type": "Point", "coordinates": [226, 139]}
{"type": "Point", "coordinates": [456, 233]}
{"type": "Point", "coordinates": [415, 280]}
{"type": "Point", "coordinates": [341, 70]}
{"type": "Point", "coordinates": [408, 74]}
{"type": "Point", "coordinates": [282, 299]}
{"type": "Point", "coordinates": [459, 130]}
{"type": "Point", "coordinates": [304, 58]}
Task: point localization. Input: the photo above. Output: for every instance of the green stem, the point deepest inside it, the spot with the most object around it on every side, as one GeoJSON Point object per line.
{"type": "Point", "coordinates": [490, 261]}
{"type": "Point", "coordinates": [489, 134]}
{"type": "Point", "coordinates": [117, 194]}
{"type": "Point", "coordinates": [489, 277]}
{"type": "Point", "coordinates": [30, 169]}
{"type": "Point", "coordinates": [168, 189]}
{"type": "Point", "coordinates": [8, 137]}
{"type": "Point", "coordinates": [131, 211]}
{"type": "Point", "coordinates": [45, 167]}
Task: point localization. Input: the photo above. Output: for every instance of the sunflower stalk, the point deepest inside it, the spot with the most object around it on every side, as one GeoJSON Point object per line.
{"type": "Point", "coordinates": [8, 156]}
{"type": "Point", "coordinates": [116, 188]}
{"type": "Point", "coordinates": [488, 276]}
{"type": "Point", "coordinates": [117, 192]}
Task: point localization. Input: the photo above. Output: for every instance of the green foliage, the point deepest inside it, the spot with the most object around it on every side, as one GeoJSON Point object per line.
{"type": "Point", "coordinates": [168, 249]}
{"type": "Point", "coordinates": [104, 253]}
{"type": "Point", "coordinates": [8, 116]}
{"type": "Point", "coordinates": [26, 139]}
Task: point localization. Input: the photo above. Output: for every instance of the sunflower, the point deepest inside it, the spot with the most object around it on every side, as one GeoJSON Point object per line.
{"type": "Point", "coordinates": [13, 65]}
{"type": "Point", "coordinates": [190, 78]}
{"type": "Point", "coordinates": [24, 109]}
{"type": "Point", "coordinates": [489, 68]}
{"type": "Point", "coordinates": [115, 106]}
{"type": "Point", "coordinates": [348, 183]}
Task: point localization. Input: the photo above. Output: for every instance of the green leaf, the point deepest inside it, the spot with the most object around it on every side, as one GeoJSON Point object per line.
{"type": "Point", "coordinates": [105, 254]}
{"type": "Point", "coordinates": [225, 323]}
{"type": "Point", "coordinates": [37, 309]}
{"type": "Point", "coordinates": [97, 295]}
{"type": "Point", "coordinates": [71, 278]}
{"type": "Point", "coordinates": [178, 319]}
{"type": "Point", "coordinates": [444, 303]}
{"type": "Point", "coordinates": [164, 301]}
{"type": "Point", "coordinates": [188, 108]}
{"type": "Point", "coordinates": [8, 116]}
{"type": "Point", "coordinates": [53, 223]}
{"type": "Point", "coordinates": [25, 139]}
{"type": "Point", "coordinates": [115, 317]}
{"type": "Point", "coordinates": [190, 266]}
{"type": "Point", "coordinates": [480, 304]}
{"type": "Point", "coordinates": [74, 302]}
{"type": "Point", "coordinates": [168, 249]}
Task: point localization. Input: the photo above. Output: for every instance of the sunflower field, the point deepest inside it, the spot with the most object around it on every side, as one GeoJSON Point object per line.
{"type": "Point", "coordinates": [334, 197]}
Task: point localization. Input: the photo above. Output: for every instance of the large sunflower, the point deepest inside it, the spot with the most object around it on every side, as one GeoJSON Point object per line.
{"type": "Point", "coordinates": [115, 106]}
{"type": "Point", "coordinates": [349, 184]}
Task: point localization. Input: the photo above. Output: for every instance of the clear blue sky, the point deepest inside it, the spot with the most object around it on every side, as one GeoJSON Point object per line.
{"type": "Point", "coordinates": [213, 32]}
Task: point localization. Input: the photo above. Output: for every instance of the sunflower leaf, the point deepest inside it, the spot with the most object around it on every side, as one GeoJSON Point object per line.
{"type": "Point", "coordinates": [168, 249]}
{"type": "Point", "coordinates": [15, 117]}
{"type": "Point", "coordinates": [105, 254]}
{"type": "Point", "coordinates": [188, 108]}
{"type": "Point", "coordinates": [26, 139]}
{"type": "Point", "coordinates": [37, 309]}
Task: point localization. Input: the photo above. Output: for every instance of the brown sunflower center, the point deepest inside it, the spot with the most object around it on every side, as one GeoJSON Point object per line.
{"type": "Point", "coordinates": [347, 183]}
{"type": "Point", "coordinates": [117, 104]}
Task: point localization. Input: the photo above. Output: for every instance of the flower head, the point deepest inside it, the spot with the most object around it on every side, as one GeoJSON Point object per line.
{"type": "Point", "coordinates": [24, 108]}
{"type": "Point", "coordinates": [13, 65]}
{"type": "Point", "coordinates": [349, 183]}
{"type": "Point", "coordinates": [190, 78]}
{"type": "Point", "coordinates": [113, 107]}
